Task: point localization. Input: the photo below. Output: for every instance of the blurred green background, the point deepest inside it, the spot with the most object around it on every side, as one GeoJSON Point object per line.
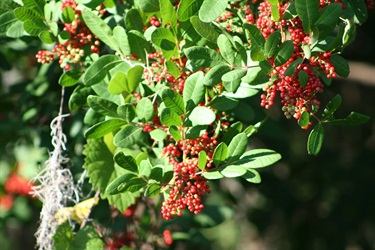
{"type": "Point", "coordinates": [303, 202]}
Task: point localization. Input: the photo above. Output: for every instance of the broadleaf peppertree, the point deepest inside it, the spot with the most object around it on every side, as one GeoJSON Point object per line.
{"type": "Point", "coordinates": [165, 84]}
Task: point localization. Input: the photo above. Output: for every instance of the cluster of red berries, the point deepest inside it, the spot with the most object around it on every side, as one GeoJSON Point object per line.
{"type": "Point", "coordinates": [158, 72]}
{"type": "Point", "coordinates": [296, 97]}
{"type": "Point", "coordinates": [188, 186]}
{"type": "Point", "coordinates": [71, 52]}
{"type": "Point", "coordinates": [119, 240]}
{"type": "Point", "coordinates": [154, 21]}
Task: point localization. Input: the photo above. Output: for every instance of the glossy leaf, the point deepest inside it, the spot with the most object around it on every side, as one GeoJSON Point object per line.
{"type": "Point", "coordinates": [126, 112]}
{"type": "Point", "coordinates": [99, 69]}
{"type": "Point", "coordinates": [194, 90]}
{"type": "Point", "coordinates": [175, 133]}
{"type": "Point", "coordinates": [158, 134]}
{"type": "Point", "coordinates": [341, 65]}
{"type": "Point", "coordinates": [172, 68]}
{"type": "Point", "coordinates": [211, 9]}
{"type": "Point", "coordinates": [304, 119]}
{"type": "Point", "coordinates": [360, 10]}
{"type": "Point", "coordinates": [103, 128]}
{"type": "Point", "coordinates": [168, 14]}
{"type": "Point", "coordinates": [126, 162]}
{"type": "Point", "coordinates": [118, 185]}
{"type": "Point", "coordinates": [145, 110]}
{"type": "Point", "coordinates": [201, 115]}
{"type": "Point", "coordinates": [187, 9]}
{"type": "Point", "coordinates": [234, 75]}
{"type": "Point", "coordinates": [202, 57]}
{"type": "Point", "coordinates": [328, 19]}
{"type": "Point", "coordinates": [170, 118]}
{"type": "Point", "coordinates": [70, 78]}
{"type": "Point", "coordinates": [352, 119]}
{"type": "Point", "coordinates": [308, 11]}
{"type": "Point", "coordinates": [173, 101]}
{"type": "Point", "coordinates": [252, 176]}
{"type": "Point", "coordinates": [98, 27]}
{"type": "Point", "coordinates": [202, 160]}
{"type": "Point", "coordinates": [164, 39]}
{"type": "Point", "coordinates": [237, 147]}
{"type": "Point", "coordinates": [254, 35]}
{"type": "Point", "coordinates": [258, 158]}
{"type": "Point", "coordinates": [272, 44]}
{"type": "Point", "coordinates": [292, 67]}
{"type": "Point", "coordinates": [315, 140]}
{"type": "Point", "coordinates": [213, 76]}
{"type": "Point", "coordinates": [152, 190]}
{"type": "Point", "coordinates": [23, 14]}
{"type": "Point", "coordinates": [128, 136]}
{"type": "Point", "coordinates": [303, 78]}
{"type": "Point", "coordinates": [133, 20]}
{"type": "Point", "coordinates": [233, 171]}
{"type": "Point", "coordinates": [220, 154]}
{"type": "Point", "coordinates": [286, 50]}
{"type": "Point", "coordinates": [37, 5]}
{"type": "Point", "coordinates": [223, 103]}
{"type": "Point", "coordinates": [102, 106]}
{"type": "Point", "coordinates": [34, 27]}
{"type": "Point", "coordinates": [138, 44]}
{"type": "Point", "coordinates": [120, 40]}
{"type": "Point", "coordinates": [148, 6]}
{"type": "Point", "coordinates": [205, 30]}
{"type": "Point", "coordinates": [195, 131]}
{"type": "Point", "coordinates": [212, 175]}
{"type": "Point", "coordinates": [331, 107]}
{"type": "Point", "coordinates": [118, 84]}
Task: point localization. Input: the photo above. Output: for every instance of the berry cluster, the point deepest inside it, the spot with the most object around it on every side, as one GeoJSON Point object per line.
{"type": "Point", "coordinates": [188, 186]}
{"type": "Point", "coordinates": [157, 71]}
{"type": "Point", "coordinates": [80, 41]}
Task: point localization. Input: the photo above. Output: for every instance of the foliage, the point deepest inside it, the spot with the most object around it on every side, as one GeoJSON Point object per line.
{"type": "Point", "coordinates": [165, 89]}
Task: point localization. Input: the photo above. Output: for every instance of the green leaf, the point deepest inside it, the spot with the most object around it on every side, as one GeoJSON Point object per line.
{"type": "Point", "coordinates": [120, 40]}
{"type": "Point", "coordinates": [201, 115]}
{"type": "Point", "coordinates": [272, 44]}
{"type": "Point", "coordinates": [202, 160]}
{"type": "Point", "coordinates": [148, 6]}
{"type": "Point", "coordinates": [34, 27]}
{"type": "Point", "coordinates": [172, 68]}
{"type": "Point", "coordinates": [144, 165]}
{"type": "Point", "coordinates": [205, 30]}
{"type": "Point", "coordinates": [292, 66]}
{"type": "Point", "coordinates": [168, 14]}
{"type": "Point", "coordinates": [187, 9]}
{"type": "Point", "coordinates": [156, 173]}
{"type": "Point", "coordinates": [308, 11]}
{"type": "Point", "coordinates": [100, 68]}
{"type": "Point", "coordinates": [23, 14]}
{"type": "Point", "coordinates": [212, 175]}
{"type": "Point", "coordinates": [78, 97]}
{"type": "Point", "coordinates": [103, 128]}
{"type": "Point", "coordinates": [158, 134]}
{"type": "Point", "coordinates": [196, 131]}
{"type": "Point", "coordinates": [352, 119]}
{"type": "Point", "coordinates": [145, 110]}
{"type": "Point", "coordinates": [360, 10]}
{"type": "Point", "coordinates": [14, 30]}
{"type": "Point", "coordinates": [152, 190]}
{"type": "Point", "coordinates": [128, 136]}
{"type": "Point", "coordinates": [6, 20]}
{"type": "Point", "coordinates": [254, 34]}
{"type": "Point", "coordinates": [233, 171]}
{"type": "Point", "coordinates": [47, 37]}
{"type": "Point", "coordinates": [290, 11]}
{"type": "Point", "coordinates": [194, 90]}
{"type": "Point", "coordinates": [226, 48]}
{"type": "Point", "coordinates": [220, 154]}
{"type": "Point", "coordinates": [70, 78]}
{"type": "Point", "coordinates": [173, 101]}
{"type": "Point", "coordinates": [243, 91]}
{"type": "Point", "coordinates": [134, 77]}
{"type": "Point", "coordinates": [303, 78]}
{"type": "Point", "coordinates": [275, 14]}
{"type": "Point", "coordinates": [164, 39]}
{"type": "Point", "coordinates": [304, 119]}
{"type": "Point", "coordinates": [202, 57]}
{"type": "Point", "coordinates": [315, 140]}
{"type": "Point", "coordinates": [237, 147]}
{"type": "Point", "coordinates": [213, 76]}
{"type": "Point", "coordinates": [258, 158]}
{"type": "Point", "coordinates": [68, 15]}
{"type": "Point", "coordinates": [138, 44]}
{"type": "Point", "coordinates": [175, 133]}
{"type": "Point", "coordinates": [126, 112]}
{"type": "Point", "coordinates": [234, 75]}
{"type": "Point", "coordinates": [101, 171]}
{"type": "Point", "coordinates": [126, 162]}
{"type": "Point", "coordinates": [232, 86]}
{"type": "Point", "coordinates": [252, 176]}
{"type": "Point", "coordinates": [119, 184]}
{"type": "Point", "coordinates": [331, 107]}
{"type": "Point", "coordinates": [37, 5]}
{"type": "Point", "coordinates": [87, 238]}
{"type": "Point", "coordinates": [223, 103]}
{"type": "Point", "coordinates": [133, 20]}
{"type": "Point", "coordinates": [118, 84]}
{"type": "Point", "coordinates": [341, 65]}
{"type": "Point", "coordinates": [285, 52]}
{"type": "Point", "coordinates": [102, 106]}
{"type": "Point", "coordinates": [170, 118]}
{"type": "Point", "coordinates": [212, 9]}
{"type": "Point", "coordinates": [98, 27]}
{"type": "Point", "coordinates": [328, 19]}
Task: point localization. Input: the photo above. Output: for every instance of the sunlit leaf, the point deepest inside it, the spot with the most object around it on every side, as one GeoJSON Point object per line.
{"type": "Point", "coordinates": [100, 129]}
{"type": "Point", "coordinates": [315, 140]}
